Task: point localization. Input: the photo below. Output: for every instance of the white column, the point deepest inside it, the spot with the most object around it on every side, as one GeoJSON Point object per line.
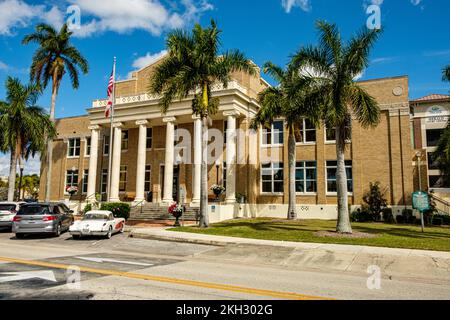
{"type": "Point", "coordinates": [231, 157]}
{"type": "Point", "coordinates": [197, 160]}
{"type": "Point", "coordinates": [169, 163]}
{"type": "Point", "coordinates": [116, 161]}
{"type": "Point", "coordinates": [141, 161]}
{"type": "Point", "coordinates": [92, 178]}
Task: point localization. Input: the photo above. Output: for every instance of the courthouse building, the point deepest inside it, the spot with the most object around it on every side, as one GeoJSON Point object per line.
{"type": "Point", "coordinates": [147, 167]}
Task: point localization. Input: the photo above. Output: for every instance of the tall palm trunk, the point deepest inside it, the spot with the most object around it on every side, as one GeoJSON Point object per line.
{"type": "Point", "coordinates": [292, 211]}
{"type": "Point", "coordinates": [13, 171]}
{"type": "Point", "coordinates": [343, 225]}
{"type": "Point", "coordinates": [204, 218]}
{"type": "Point", "coordinates": [48, 189]}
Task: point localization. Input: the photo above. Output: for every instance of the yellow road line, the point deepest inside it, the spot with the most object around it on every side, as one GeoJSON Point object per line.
{"type": "Point", "coordinates": [207, 285]}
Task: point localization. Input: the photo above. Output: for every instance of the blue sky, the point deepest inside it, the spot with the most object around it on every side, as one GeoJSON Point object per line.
{"type": "Point", "coordinates": [416, 40]}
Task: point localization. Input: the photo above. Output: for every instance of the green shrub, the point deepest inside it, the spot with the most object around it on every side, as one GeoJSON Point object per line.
{"type": "Point", "coordinates": [119, 210]}
{"type": "Point", "coordinates": [87, 208]}
{"type": "Point", "coordinates": [388, 216]}
{"type": "Point", "coordinates": [444, 218]}
{"type": "Point", "coordinates": [408, 215]}
{"type": "Point", "coordinates": [375, 201]}
{"type": "Point", "coordinates": [361, 216]}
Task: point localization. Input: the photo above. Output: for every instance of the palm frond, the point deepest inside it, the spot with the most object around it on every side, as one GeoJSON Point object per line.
{"type": "Point", "coordinates": [364, 106]}
{"type": "Point", "coordinates": [446, 74]}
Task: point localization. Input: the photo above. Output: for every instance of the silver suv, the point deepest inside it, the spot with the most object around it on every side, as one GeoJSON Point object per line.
{"type": "Point", "coordinates": [42, 218]}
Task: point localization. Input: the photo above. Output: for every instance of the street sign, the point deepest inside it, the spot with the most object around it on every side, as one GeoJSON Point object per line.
{"type": "Point", "coordinates": [421, 201]}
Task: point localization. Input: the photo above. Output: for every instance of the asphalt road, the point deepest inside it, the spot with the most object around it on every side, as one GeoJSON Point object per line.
{"type": "Point", "coordinates": [127, 268]}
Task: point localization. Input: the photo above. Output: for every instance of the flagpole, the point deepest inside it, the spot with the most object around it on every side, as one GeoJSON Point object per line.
{"type": "Point", "coordinates": [111, 135]}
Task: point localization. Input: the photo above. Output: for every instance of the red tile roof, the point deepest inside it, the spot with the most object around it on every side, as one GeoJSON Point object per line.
{"type": "Point", "coordinates": [433, 97]}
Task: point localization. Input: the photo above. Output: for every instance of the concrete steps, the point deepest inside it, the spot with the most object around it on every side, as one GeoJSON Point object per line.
{"type": "Point", "coordinates": [151, 212]}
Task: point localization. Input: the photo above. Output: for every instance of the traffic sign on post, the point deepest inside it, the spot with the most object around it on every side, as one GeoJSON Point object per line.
{"type": "Point", "coordinates": [421, 202]}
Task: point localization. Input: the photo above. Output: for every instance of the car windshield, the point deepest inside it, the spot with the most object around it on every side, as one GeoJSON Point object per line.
{"type": "Point", "coordinates": [33, 211]}
{"type": "Point", "coordinates": [7, 207]}
{"type": "Point", "coordinates": [93, 216]}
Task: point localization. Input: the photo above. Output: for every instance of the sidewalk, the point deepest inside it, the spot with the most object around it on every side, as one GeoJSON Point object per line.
{"type": "Point", "coordinates": [418, 264]}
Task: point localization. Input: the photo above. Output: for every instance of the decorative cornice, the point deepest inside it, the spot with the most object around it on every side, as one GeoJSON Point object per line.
{"type": "Point", "coordinates": [117, 125]}
{"type": "Point", "coordinates": [231, 113]}
{"type": "Point", "coordinates": [232, 85]}
{"type": "Point", "coordinates": [169, 119]}
{"type": "Point", "coordinates": [142, 122]}
{"type": "Point", "coordinates": [94, 127]}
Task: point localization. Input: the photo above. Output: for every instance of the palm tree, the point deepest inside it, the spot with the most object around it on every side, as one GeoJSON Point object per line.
{"type": "Point", "coordinates": [55, 56]}
{"type": "Point", "coordinates": [333, 65]}
{"type": "Point", "coordinates": [287, 101]}
{"type": "Point", "coordinates": [24, 125]}
{"type": "Point", "coordinates": [193, 66]}
{"type": "Point", "coordinates": [446, 73]}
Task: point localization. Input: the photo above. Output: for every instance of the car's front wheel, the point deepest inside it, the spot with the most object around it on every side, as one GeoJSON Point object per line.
{"type": "Point", "coordinates": [20, 236]}
{"type": "Point", "coordinates": [75, 237]}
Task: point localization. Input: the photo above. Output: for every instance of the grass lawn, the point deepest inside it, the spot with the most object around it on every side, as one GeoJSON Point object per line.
{"type": "Point", "coordinates": [384, 235]}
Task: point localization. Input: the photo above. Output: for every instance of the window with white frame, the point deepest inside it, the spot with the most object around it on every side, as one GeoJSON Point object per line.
{"type": "Point", "coordinates": [104, 184]}
{"type": "Point", "coordinates": [330, 135]}
{"type": "Point", "coordinates": [124, 140]}
{"type": "Point", "coordinates": [306, 177]}
{"type": "Point", "coordinates": [273, 135]}
{"type": "Point", "coordinates": [74, 147]}
{"type": "Point", "coordinates": [331, 168]}
{"type": "Point", "coordinates": [149, 138]}
{"type": "Point", "coordinates": [123, 179]}
{"type": "Point", "coordinates": [306, 132]}
{"type": "Point", "coordinates": [106, 145]}
{"type": "Point", "coordinates": [148, 178]}
{"type": "Point", "coordinates": [72, 178]}
{"type": "Point", "coordinates": [85, 181]}
{"type": "Point", "coordinates": [272, 178]}
{"type": "Point", "coordinates": [87, 152]}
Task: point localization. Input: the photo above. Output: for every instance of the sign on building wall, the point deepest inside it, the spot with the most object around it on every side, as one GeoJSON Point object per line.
{"type": "Point", "coordinates": [437, 114]}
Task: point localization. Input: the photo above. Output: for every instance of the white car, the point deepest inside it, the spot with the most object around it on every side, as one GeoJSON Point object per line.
{"type": "Point", "coordinates": [8, 211]}
{"type": "Point", "coordinates": [97, 223]}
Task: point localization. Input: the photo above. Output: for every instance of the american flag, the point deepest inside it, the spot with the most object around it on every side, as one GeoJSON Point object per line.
{"type": "Point", "coordinates": [109, 106]}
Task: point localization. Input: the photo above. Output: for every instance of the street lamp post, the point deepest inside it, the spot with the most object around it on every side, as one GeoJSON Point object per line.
{"type": "Point", "coordinates": [22, 167]}
{"type": "Point", "coordinates": [419, 159]}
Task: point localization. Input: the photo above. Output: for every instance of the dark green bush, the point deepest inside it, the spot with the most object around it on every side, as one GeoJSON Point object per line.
{"type": "Point", "coordinates": [87, 208]}
{"type": "Point", "coordinates": [408, 215]}
{"type": "Point", "coordinates": [375, 201]}
{"type": "Point", "coordinates": [361, 216]}
{"type": "Point", "coordinates": [388, 216]}
{"type": "Point", "coordinates": [119, 210]}
{"type": "Point", "coordinates": [444, 218]}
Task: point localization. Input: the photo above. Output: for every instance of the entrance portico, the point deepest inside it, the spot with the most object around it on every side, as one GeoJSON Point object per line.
{"type": "Point", "coordinates": [142, 112]}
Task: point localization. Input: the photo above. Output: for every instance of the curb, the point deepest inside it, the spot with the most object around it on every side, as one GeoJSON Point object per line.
{"type": "Point", "coordinates": [138, 235]}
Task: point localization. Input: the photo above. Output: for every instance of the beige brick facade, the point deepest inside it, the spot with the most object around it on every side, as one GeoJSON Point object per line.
{"type": "Point", "coordinates": [383, 154]}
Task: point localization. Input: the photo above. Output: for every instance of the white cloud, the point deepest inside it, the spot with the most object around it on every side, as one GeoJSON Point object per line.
{"type": "Point", "coordinates": [32, 166]}
{"type": "Point", "coordinates": [146, 60]}
{"type": "Point", "coordinates": [16, 14]}
{"type": "Point", "coordinates": [416, 2]}
{"type": "Point", "coordinates": [126, 16]}
{"type": "Point", "coordinates": [119, 16]}
{"type": "Point", "coordinates": [3, 66]}
{"type": "Point", "coordinates": [305, 5]}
